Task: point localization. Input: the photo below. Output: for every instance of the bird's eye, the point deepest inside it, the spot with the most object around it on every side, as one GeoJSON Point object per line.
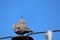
{"type": "Point", "coordinates": [18, 27]}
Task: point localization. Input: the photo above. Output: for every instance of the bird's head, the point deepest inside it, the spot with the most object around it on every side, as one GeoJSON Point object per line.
{"type": "Point", "coordinates": [22, 20]}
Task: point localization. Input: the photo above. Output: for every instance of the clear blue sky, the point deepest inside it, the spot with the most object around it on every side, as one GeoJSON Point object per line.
{"type": "Point", "coordinates": [40, 15]}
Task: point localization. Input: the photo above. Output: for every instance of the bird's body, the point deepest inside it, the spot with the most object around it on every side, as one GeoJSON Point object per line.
{"type": "Point", "coordinates": [20, 28]}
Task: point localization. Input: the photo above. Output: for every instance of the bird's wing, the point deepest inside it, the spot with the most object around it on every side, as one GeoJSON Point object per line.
{"type": "Point", "coordinates": [26, 28]}
{"type": "Point", "coordinates": [14, 26]}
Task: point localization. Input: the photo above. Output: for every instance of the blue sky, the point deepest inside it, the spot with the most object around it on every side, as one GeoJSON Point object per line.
{"type": "Point", "coordinates": [40, 15]}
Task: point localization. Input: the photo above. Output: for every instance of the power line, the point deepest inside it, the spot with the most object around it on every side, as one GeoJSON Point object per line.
{"type": "Point", "coordinates": [30, 34]}
{"type": "Point", "coordinates": [44, 32]}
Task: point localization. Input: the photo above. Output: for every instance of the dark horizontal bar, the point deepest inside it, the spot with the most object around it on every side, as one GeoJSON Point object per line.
{"type": "Point", "coordinates": [30, 34]}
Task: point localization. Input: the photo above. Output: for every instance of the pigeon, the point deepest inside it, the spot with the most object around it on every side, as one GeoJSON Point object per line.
{"type": "Point", "coordinates": [20, 28]}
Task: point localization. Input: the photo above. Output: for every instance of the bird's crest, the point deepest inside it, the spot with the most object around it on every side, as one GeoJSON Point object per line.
{"type": "Point", "coordinates": [22, 17]}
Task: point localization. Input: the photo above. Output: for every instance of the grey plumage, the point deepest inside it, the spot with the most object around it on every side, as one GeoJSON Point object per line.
{"type": "Point", "coordinates": [20, 28]}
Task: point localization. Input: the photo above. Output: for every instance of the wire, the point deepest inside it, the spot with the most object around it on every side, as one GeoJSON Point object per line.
{"type": "Point", "coordinates": [43, 32]}
{"type": "Point", "coordinates": [6, 37]}
{"type": "Point", "coordinates": [30, 34]}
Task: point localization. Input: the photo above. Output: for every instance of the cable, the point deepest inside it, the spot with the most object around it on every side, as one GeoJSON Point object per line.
{"type": "Point", "coordinates": [30, 34]}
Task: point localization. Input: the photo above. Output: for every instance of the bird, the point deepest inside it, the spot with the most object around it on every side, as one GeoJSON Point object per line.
{"type": "Point", "coordinates": [20, 27]}
{"type": "Point", "coordinates": [48, 35]}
